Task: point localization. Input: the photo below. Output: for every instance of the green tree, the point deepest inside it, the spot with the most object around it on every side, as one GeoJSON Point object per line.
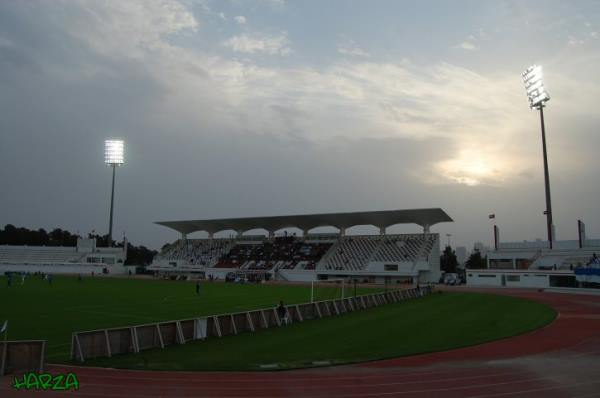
{"type": "Point", "coordinates": [448, 261]}
{"type": "Point", "coordinates": [475, 261]}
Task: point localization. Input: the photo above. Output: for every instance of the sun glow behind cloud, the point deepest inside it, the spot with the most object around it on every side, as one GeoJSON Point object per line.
{"type": "Point", "coordinates": [473, 169]}
{"type": "Point", "coordinates": [354, 96]}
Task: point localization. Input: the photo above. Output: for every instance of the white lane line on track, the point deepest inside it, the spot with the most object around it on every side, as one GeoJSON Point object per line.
{"type": "Point", "coordinates": [206, 387]}
{"type": "Point", "coordinates": [504, 394]}
{"type": "Point", "coordinates": [594, 394]}
{"type": "Point", "coordinates": [230, 377]}
{"type": "Point", "coordinates": [430, 390]}
{"type": "Point", "coordinates": [441, 390]}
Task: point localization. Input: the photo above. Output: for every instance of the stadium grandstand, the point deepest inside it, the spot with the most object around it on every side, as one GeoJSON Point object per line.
{"type": "Point", "coordinates": [535, 263]}
{"type": "Point", "coordinates": [85, 258]}
{"type": "Point", "coordinates": [309, 256]}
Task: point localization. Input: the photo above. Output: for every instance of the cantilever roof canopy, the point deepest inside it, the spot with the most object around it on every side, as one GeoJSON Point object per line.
{"type": "Point", "coordinates": [381, 219]}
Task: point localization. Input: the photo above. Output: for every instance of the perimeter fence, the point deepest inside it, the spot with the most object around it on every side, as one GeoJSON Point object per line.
{"type": "Point", "coordinates": [133, 339]}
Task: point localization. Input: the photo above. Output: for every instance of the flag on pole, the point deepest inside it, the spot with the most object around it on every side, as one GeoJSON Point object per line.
{"type": "Point", "coordinates": [492, 216]}
{"type": "Point", "coordinates": [4, 327]}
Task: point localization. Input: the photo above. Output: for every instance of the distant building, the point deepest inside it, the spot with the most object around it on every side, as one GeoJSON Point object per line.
{"type": "Point", "coordinates": [84, 258]}
{"type": "Point", "coordinates": [481, 248]}
{"type": "Point", "coordinates": [534, 264]}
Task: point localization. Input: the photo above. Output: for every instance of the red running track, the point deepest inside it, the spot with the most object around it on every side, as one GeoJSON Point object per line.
{"type": "Point", "coordinates": [559, 360]}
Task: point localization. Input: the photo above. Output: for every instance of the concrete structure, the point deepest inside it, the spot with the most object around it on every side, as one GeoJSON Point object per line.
{"type": "Point", "coordinates": [375, 258]}
{"type": "Point", "coordinates": [84, 258]}
{"type": "Point", "coordinates": [535, 264]}
{"type": "Point", "coordinates": [380, 219]}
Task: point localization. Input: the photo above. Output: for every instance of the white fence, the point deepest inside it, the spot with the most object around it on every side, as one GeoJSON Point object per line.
{"type": "Point", "coordinates": [133, 339]}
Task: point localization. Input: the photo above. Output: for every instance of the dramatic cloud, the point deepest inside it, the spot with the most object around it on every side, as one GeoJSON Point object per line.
{"type": "Point", "coordinates": [354, 51]}
{"type": "Point", "coordinates": [469, 44]}
{"type": "Point", "coordinates": [221, 124]}
{"type": "Point", "coordinates": [253, 44]}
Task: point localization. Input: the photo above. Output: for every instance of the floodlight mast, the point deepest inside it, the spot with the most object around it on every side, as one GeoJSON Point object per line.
{"type": "Point", "coordinates": [113, 156]}
{"type": "Point", "coordinates": [534, 85]}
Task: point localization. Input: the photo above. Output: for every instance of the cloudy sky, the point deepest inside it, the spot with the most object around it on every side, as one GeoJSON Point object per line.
{"type": "Point", "coordinates": [251, 108]}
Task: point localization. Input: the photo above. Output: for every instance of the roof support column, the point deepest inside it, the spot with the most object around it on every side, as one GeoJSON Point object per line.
{"type": "Point", "coordinates": [304, 233]}
{"type": "Point", "coordinates": [183, 236]}
{"type": "Point", "coordinates": [271, 234]}
{"type": "Point", "coordinates": [381, 230]}
{"type": "Point", "coordinates": [342, 231]}
{"type": "Point", "coordinates": [210, 235]}
{"type": "Point", "coordinates": [239, 234]}
{"type": "Point", "coordinates": [426, 228]}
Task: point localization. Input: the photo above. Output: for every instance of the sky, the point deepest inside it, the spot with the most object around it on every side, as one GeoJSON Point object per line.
{"type": "Point", "coordinates": [274, 107]}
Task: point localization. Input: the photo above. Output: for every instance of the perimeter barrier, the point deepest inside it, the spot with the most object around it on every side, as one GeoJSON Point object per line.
{"type": "Point", "coordinates": [105, 343]}
{"type": "Point", "coordinates": [22, 356]}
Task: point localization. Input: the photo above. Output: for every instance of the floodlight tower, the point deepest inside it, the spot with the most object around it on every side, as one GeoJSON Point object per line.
{"type": "Point", "coordinates": [113, 156]}
{"type": "Point", "coordinates": [537, 94]}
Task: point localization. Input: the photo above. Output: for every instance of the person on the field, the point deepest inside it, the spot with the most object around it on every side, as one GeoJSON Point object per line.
{"type": "Point", "coordinates": [9, 280]}
{"type": "Point", "coordinates": [282, 313]}
{"type": "Point", "coordinates": [197, 288]}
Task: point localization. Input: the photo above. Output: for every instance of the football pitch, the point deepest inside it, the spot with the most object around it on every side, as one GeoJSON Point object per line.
{"type": "Point", "coordinates": [37, 310]}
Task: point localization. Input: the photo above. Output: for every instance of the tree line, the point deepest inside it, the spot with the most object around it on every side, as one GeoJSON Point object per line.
{"type": "Point", "coordinates": [19, 236]}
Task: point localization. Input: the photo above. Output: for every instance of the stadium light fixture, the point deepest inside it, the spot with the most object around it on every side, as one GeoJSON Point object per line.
{"type": "Point", "coordinates": [114, 157]}
{"type": "Point", "coordinates": [113, 152]}
{"type": "Point", "coordinates": [538, 96]}
{"type": "Point", "coordinates": [534, 86]}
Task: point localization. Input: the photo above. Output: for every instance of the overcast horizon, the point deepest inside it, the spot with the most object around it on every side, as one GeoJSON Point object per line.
{"type": "Point", "coordinates": [272, 107]}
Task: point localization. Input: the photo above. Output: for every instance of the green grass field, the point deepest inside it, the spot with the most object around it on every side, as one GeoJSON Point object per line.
{"type": "Point", "coordinates": [37, 310]}
{"type": "Point", "coordinates": [433, 323]}
{"type": "Point", "coordinates": [437, 322]}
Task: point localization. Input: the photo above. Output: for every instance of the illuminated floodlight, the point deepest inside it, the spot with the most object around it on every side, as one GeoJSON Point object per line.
{"type": "Point", "coordinates": [537, 94]}
{"type": "Point", "coordinates": [534, 86]}
{"type": "Point", "coordinates": [113, 152]}
{"type": "Point", "coordinates": [113, 156]}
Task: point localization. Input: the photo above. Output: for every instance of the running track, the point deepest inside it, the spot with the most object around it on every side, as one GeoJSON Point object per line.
{"type": "Point", "coordinates": [560, 360]}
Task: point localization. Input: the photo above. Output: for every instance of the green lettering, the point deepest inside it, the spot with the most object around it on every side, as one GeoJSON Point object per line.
{"type": "Point", "coordinates": [18, 384]}
{"type": "Point", "coordinates": [71, 382]}
{"type": "Point", "coordinates": [45, 380]}
{"type": "Point", "coordinates": [32, 381]}
{"type": "Point", "coordinates": [56, 383]}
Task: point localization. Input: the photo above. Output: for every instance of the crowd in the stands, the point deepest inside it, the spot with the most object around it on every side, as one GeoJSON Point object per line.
{"type": "Point", "coordinates": [286, 252]}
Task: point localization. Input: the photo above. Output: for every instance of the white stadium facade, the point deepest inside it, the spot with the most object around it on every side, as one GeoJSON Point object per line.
{"type": "Point", "coordinates": [537, 263]}
{"type": "Point", "coordinates": [85, 258]}
{"type": "Point", "coordinates": [309, 256]}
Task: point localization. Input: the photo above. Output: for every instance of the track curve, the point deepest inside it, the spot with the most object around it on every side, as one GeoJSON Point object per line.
{"type": "Point", "coordinates": [559, 360]}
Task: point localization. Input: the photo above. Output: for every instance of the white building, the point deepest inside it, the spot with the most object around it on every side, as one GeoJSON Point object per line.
{"type": "Point", "coordinates": [374, 258]}
{"type": "Point", "coordinates": [84, 258]}
{"type": "Point", "coordinates": [534, 264]}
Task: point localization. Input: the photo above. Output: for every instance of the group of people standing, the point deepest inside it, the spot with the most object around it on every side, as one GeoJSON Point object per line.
{"type": "Point", "coordinates": [24, 275]}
